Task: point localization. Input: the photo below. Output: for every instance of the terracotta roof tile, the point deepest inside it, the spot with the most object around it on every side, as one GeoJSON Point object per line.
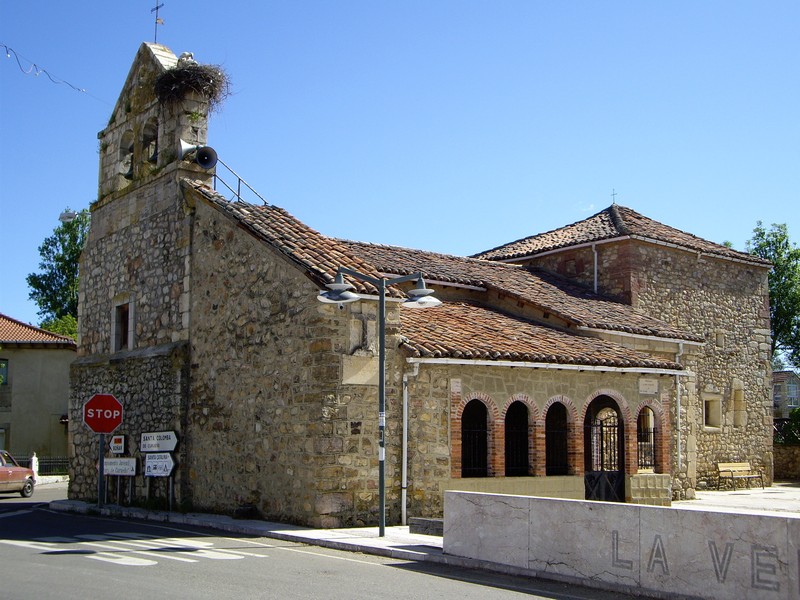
{"type": "Point", "coordinates": [17, 332]}
{"type": "Point", "coordinates": [556, 295]}
{"type": "Point", "coordinates": [613, 222]}
{"type": "Point", "coordinates": [318, 255]}
{"type": "Point", "coordinates": [462, 330]}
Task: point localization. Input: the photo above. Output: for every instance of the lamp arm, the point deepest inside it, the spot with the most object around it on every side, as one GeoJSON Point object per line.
{"type": "Point", "coordinates": [377, 281]}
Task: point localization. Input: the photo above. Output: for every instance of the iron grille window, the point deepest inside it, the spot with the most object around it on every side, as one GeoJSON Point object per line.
{"type": "Point", "coordinates": [474, 440]}
{"type": "Point", "coordinates": [646, 442]}
{"type": "Point", "coordinates": [604, 438]}
{"type": "Point", "coordinates": [517, 440]}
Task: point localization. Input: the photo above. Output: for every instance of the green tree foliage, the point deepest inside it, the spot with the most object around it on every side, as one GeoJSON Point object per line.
{"type": "Point", "coordinates": [55, 287]}
{"type": "Point", "coordinates": [66, 325]}
{"type": "Point", "coordinates": [784, 287]}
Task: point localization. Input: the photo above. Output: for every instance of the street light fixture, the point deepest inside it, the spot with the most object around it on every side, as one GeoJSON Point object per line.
{"type": "Point", "coordinates": [419, 297]}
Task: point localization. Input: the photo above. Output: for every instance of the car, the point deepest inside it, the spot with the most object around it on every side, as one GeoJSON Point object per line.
{"type": "Point", "coordinates": [14, 478]}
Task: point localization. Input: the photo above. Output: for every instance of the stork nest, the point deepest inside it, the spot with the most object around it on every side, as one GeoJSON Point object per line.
{"type": "Point", "coordinates": [210, 81]}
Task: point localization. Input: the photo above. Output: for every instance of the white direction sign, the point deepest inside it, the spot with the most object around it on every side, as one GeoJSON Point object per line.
{"type": "Point", "coordinates": [125, 467]}
{"type": "Point", "coordinates": [158, 464]}
{"type": "Point", "coordinates": [158, 441]}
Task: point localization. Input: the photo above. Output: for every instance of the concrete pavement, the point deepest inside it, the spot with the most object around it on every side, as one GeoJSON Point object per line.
{"type": "Point", "coordinates": [400, 543]}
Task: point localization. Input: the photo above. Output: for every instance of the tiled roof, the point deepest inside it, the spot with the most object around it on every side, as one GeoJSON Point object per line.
{"type": "Point", "coordinates": [319, 256]}
{"type": "Point", "coordinates": [17, 332]}
{"type": "Point", "coordinates": [467, 331]}
{"type": "Point", "coordinates": [558, 296]}
{"type": "Point", "coordinates": [614, 222]}
{"type": "Point", "coordinates": [459, 330]}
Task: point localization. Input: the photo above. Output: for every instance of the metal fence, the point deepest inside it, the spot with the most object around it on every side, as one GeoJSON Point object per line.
{"type": "Point", "coordinates": [48, 465]}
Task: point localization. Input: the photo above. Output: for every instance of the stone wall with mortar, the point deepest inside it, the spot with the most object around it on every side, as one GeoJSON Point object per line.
{"type": "Point", "coordinates": [724, 301]}
{"type": "Point", "coordinates": [787, 462]}
{"type": "Point", "coordinates": [151, 383]}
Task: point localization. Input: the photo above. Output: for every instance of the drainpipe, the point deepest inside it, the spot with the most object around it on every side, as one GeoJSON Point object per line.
{"type": "Point", "coordinates": [678, 393]}
{"type": "Point", "coordinates": [594, 251]}
{"type": "Point", "coordinates": [404, 468]}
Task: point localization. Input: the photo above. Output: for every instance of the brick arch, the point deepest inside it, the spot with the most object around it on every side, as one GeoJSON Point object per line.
{"type": "Point", "coordinates": [622, 402]}
{"type": "Point", "coordinates": [629, 425]}
{"type": "Point", "coordinates": [495, 438]}
{"type": "Point", "coordinates": [533, 410]}
{"type": "Point", "coordinates": [491, 406]}
{"type": "Point", "coordinates": [574, 437]}
{"type": "Point", "coordinates": [572, 410]}
{"type": "Point", "coordinates": [534, 429]}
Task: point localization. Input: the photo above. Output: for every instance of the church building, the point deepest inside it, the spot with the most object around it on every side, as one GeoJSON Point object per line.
{"type": "Point", "coordinates": [616, 358]}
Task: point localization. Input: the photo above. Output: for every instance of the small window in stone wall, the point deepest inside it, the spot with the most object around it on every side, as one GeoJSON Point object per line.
{"type": "Point", "coordinates": [712, 412]}
{"type": "Point", "coordinates": [122, 334]}
{"type": "Point", "coordinates": [3, 371]}
{"type": "Point", "coordinates": [721, 340]}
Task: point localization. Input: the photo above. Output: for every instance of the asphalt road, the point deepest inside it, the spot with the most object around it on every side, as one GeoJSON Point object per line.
{"type": "Point", "coordinates": [49, 555]}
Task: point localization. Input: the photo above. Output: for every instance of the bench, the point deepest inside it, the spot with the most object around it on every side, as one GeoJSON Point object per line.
{"type": "Point", "coordinates": [738, 470]}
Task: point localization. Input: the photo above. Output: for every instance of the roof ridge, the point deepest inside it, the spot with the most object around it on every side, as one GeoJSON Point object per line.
{"type": "Point", "coordinates": [482, 261]}
{"type": "Point", "coordinates": [617, 219]}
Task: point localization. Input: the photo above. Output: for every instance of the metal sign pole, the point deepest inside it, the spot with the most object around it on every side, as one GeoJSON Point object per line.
{"type": "Point", "coordinates": [101, 476]}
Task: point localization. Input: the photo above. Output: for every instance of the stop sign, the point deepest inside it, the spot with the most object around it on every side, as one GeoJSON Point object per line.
{"type": "Point", "coordinates": [102, 413]}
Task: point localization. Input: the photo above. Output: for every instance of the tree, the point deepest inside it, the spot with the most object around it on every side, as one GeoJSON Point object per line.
{"type": "Point", "coordinates": [55, 287]}
{"type": "Point", "coordinates": [784, 287]}
{"type": "Point", "coordinates": [66, 325]}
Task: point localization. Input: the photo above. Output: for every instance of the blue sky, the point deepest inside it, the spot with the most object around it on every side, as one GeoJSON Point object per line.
{"type": "Point", "coordinates": [452, 126]}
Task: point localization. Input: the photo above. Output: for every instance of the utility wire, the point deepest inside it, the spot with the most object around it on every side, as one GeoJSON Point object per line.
{"type": "Point", "coordinates": [37, 70]}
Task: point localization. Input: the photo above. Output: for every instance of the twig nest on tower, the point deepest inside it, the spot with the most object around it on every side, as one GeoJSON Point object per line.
{"type": "Point", "coordinates": [210, 81]}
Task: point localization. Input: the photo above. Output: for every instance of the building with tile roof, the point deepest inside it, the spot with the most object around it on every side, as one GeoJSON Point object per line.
{"type": "Point", "coordinates": [34, 389]}
{"type": "Point", "coordinates": [617, 359]}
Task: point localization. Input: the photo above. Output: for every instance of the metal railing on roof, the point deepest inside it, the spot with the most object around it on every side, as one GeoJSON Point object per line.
{"type": "Point", "coordinates": [239, 182]}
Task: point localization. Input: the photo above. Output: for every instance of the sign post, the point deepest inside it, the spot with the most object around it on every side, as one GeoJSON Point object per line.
{"type": "Point", "coordinates": [102, 413]}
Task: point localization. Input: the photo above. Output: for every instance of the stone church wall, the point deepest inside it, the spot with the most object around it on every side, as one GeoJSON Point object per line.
{"type": "Point", "coordinates": [727, 303]}
{"type": "Point", "coordinates": [271, 425]}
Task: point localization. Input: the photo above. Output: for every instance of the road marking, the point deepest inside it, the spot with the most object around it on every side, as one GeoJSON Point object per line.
{"type": "Point", "coordinates": [15, 513]}
{"type": "Point", "coordinates": [123, 561]}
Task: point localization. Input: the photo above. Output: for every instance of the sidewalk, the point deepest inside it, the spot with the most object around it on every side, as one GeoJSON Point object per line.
{"type": "Point", "coordinates": [783, 498]}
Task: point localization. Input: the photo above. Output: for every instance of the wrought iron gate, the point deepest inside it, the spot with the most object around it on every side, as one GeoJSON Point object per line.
{"type": "Point", "coordinates": [605, 478]}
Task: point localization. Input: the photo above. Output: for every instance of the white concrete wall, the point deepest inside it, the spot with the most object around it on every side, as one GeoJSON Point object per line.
{"type": "Point", "coordinates": [657, 551]}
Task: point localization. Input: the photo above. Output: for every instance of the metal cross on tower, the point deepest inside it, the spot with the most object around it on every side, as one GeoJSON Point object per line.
{"type": "Point", "coordinates": [158, 21]}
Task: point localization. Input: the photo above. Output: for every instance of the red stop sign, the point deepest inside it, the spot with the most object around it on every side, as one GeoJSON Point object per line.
{"type": "Point", "coordinates": [102, 413]}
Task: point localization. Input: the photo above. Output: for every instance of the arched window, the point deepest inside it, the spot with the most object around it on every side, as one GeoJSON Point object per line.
{"type": "Point", "coordinates": [126, 156]}
{"type": "Point", "coordinates": [556, 447]}
{"type": "Point", "coordinates": [646, 438]}
{"type": "Point", "coordinates": [474, 440]}
{"type": "Point", "coordinates": [517, 440]}
{"type": "Point", "coordinates": [150, 141]}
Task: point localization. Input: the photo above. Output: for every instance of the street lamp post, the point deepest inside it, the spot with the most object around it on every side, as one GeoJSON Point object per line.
{"type": "Point", "coordinates": [419, 297]}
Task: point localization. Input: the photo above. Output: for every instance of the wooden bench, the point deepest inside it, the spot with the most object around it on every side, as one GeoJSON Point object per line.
{"type": "Point", "coordinates": [738, 470]}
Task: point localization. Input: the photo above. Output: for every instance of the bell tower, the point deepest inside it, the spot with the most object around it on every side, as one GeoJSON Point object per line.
{"type": "Point", "coordinates": [164, 100]}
